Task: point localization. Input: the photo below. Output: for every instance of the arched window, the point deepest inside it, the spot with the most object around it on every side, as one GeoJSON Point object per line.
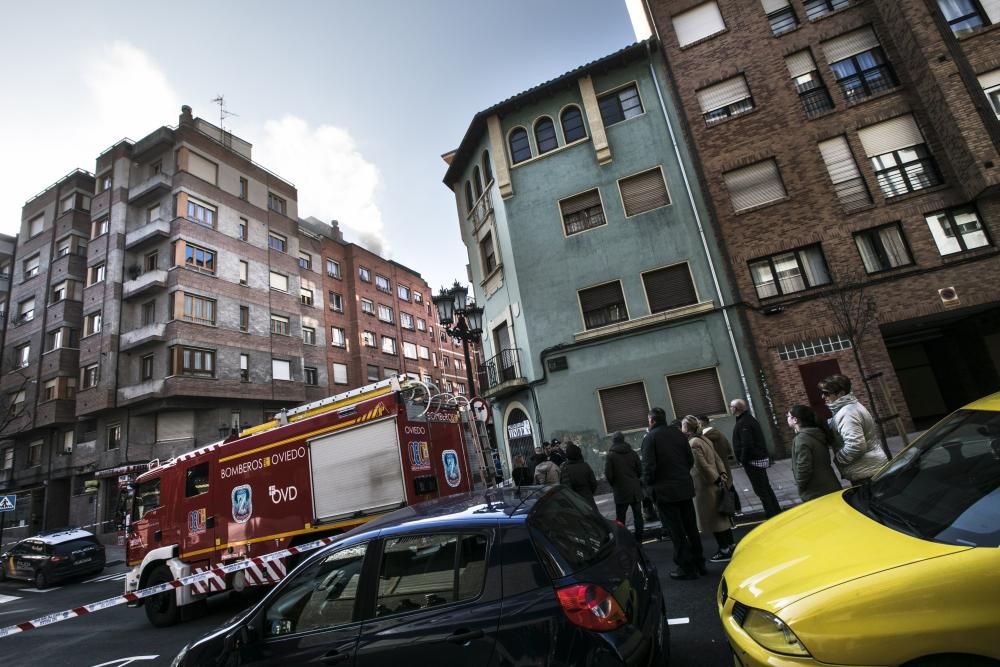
{"type": "Point", "coordinates": [487, 169]}
{"type": "Point", "coordinates": [545, 135]}
{"type": "Point", "coordinates": [520, 149]}
{"type": "Point", "coordinates": [469, 201]}
{"type": "Point", "coordinates": [477, 182]}
{"type": "Point", "coordinates": [572, 125]}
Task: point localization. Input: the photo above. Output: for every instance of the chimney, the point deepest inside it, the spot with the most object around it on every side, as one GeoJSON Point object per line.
{"type": "Point", "coordinates": [185, 118]}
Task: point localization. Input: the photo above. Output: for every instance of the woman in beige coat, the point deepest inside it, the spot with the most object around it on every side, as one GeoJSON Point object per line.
{"type": "Point", "coordinates": [709, 474]}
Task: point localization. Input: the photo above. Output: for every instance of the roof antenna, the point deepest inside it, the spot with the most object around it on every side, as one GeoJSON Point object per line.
{"type": "Point", "coordinates": [227, 136]}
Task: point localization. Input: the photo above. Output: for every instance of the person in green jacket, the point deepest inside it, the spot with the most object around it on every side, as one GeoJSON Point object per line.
{"type": "Point", "coordinates": [811, 449]}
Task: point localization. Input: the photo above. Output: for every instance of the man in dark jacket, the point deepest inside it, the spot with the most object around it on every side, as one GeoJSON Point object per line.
{"type": "Point", "coordinates": [751, 452]}
{"type": "Point", "coordinates": [666, 467]}
{"type": "Point", "coordinates": [623, 470]}
{"type": "Point", "coordinates": [577, 474]}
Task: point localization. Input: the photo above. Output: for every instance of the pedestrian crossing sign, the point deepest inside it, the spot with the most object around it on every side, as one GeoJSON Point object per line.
{"type": "Point", "coordinates": [7, 503]}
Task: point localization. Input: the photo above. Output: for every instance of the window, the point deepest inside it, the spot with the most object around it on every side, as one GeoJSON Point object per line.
{"type": "Point", "coordinates": [104, 182]}
{"type": "Point", "coordinates": [698, 23]}
{"type": "Point", "coordinates": [305, 261]}
{"type": "Point", "coordinates": [382, 284]}
{"type": "Point", "coordinates": [114, 436]}
{"type": "Point", "coordinates": [311, 376]}
{"type": "Point", "coordinates": [545, 135]}
{"type": "Point", "coordinates": [789, 272]}
{"type": "Point", "coordinates": [477, 181]}
{"type": "Point", "coordinates": [30, 267]}
{"type": "Point", "coordinates": [418, 297]}
{"type": "Point", "coordinates": [244, 188]}
{"type": "Point", "coordinates": [68, 439]}
{"type": "Point", "coordinates": [242, 230]}
{"type": "Point", "coordinates": [725, 99]}
{"type": "Point", "coordinates": [35, 226]}
{"type": "Point", "coordinates": [488, 254]}
{"type": "Point", "coordinates": [409, 350]}
{"type": "Point", "coordinates": [848, 184]}
{"type": "Point", "coordinates": [337, 337]}
{"type": "Point", "coordinates": [50, 390]}
{"type": "Point", "coordinates": [146, 365]}
{"type": "Point", "coordinates": [368, 306]}
{"type": "Point", "coordinates": [8, 459]}
{"type": "Point", "coordinates": [276, 203]}
{"type": "Point", "coordinates": [22, 355]}
{"type": "Point", "coordinates": [620, 105]}
{"type": "Point", "coordinates": [643, 192]}
{"type": "Point", "coordinates": [148, 315]}
{"type": "Point", "coordinates": [813, 95]}
{"type": "Point", "coordinates": [603, 305]}
{"type": "Point", "coordinates": [819, 8]}
{"type": "Point", "coordinates": [306, 296]}
{"type": "Point", "coordinates": [332, 268]}
{"type": "Point", "coordinates": [957, 229]}
{"type": "Point", "coordinates": [582, 212]}
{"type": "Point", "coordinates": [199, 309]}
{"type": "Point", "coordinates": [446, 361]}
{"type": "Point", "coordinates": [964, 16]}
{"type": "Point", "coordinates": [403, 292]}
{"type": "Point", "coordinates": [388, 345]}
{"type": "Point", "coordinates": [625, 408]}
{"type": "Point", "coordinates": [277, 242]}
{"type": "Point", "coordinates": [151, 261]}
{"type": "Point", "coordinates": [281, 369]}
{"type": "Point", "coordinates": [668, 288]}
{"type": "Point", "coordinates": [520, 149]}
{"type": "Point", "coordinates": [384, 313]}
{"type": "Point", "coordinates": [364, 274]}
{"type": "Point", "coordinates": [336, 301]}
{"type": "Point", "coordinates": [859, 64]}
{"type": "Point", "coordinates": [406, 320]}
{"type": "Point", "coordinates": [63, 247]}
{"type": "Point", "coordinates": [421, 325]}
{"type": "Point", "coordinates": [92, 324]}
{"type": "Point", "coordinates": [780, 16]}
{"type": "Point", "coordinates": [309, 335]}
{"type": "Point", "coordinates": [196, 480]}
{"type": "Point", "coordinates": [373, 373]}
{"type": "Point", "coordinates": [203, 214]}
{"type": "Point", "coordinates": [62, 337]}
{"type": "Point", "coordinates": [755, 185]}
{"type": "Point", "coordinates": [96, 274]}
{"type": "Point", "coordinates": [811, 348]}
{"type": "Point", "coordinates": [339, 373]}
{"type": "Point", "coordinates": [153, 213]}
{"type": "Point", "coordinates": [368, 338]}
{"type": "Point", "coordinates": [280, 325]}
{"type": "Point", "coordinates": [244, 272]}
{"type": "Point", "coordinates": [990, 82]}
{"type": "Point", "coordinates": [882, 248]}
{"type": "Point", "coordinates": [198, 259]}
{"type": "Point", "coordinates": [423, 352]}
{"type": "Point", "coordinates": [572, 125]}
{"type": "Point", "coordinates": [193, 361]}
{"type": "Point", "coordinates": [697, 392]}
{"type": "Point", "coordinates": [244, 318]}
{"type": "Point", "coordinates": [487, 169]}
{"type": "Point", "coordinates": [99, 227]}
{"type": "Point", "coordinates": [26, 310]}
{"type": "Point", "coordinates": [67, 289]}
{"type": "Point", "coordinates": [34, 454]}
{"type": "Point", "coordinates": [470, 201]}
{"type": "Point", "coordinates": [244, 368]}
{"type": "Point", "coordinates": [89, 376]}
{"type": "Point", "coordinates": [279, 282]}
{"type": "Point", "coordinates": [899, 157]}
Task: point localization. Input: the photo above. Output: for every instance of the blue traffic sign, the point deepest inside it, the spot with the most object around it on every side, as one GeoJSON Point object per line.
{"type": "Point", "coordinates": [7, 503]}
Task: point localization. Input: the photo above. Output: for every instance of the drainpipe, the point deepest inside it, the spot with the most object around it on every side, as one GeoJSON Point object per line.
{"type": "Point", "coordinates": [701, 230]}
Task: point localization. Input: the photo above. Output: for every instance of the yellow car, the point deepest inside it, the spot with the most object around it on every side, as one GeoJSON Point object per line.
{"type": "Point", "coordinates": [904, 571]}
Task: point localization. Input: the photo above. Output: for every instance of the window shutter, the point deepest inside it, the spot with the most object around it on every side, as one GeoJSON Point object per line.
{"type": "Point", "coordinates": [754, 185]}
{"type": "Point", "coordinates": [601, 296]}
{"type": "Point", "coordinates": [202, 168]}
{"type": "Point", "coordinates": [580, 202]}
{"type": "Point", "coordinates": [625, 408]}
{"type": "Point", "coordinates": [177, 425]}
{"type": "Point", "coordinates": [839, 160]}
{"type": "Point", "coordinates": [669, 288]}
{"type": "Point", "coordinates": [696, 393]}
{"type": "Point", "coordinates": [340, 373]}
{"type": "Point", "coordinates": [773, 5]}
{"type": "Point", "coordinates": [891, 135]}
{"type": "Point", "coordinates": [990, 79]}
{"type": "Point", "coordinates": [643, 192]}
{"type": "Point", "coordinates": [850, 44]}
{"type": "Point", "coordinates": [723, 94]}
{"type": "Point", "coordinates": [800, 63]}
{"type": "Point", "coordinates": [698, 23]}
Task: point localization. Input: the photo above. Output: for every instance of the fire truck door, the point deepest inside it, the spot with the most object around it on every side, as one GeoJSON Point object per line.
{"type": "Point", "coordinates": [198, 533]}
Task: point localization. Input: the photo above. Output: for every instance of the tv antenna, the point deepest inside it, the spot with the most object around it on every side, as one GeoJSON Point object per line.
{"type": "Point", "coordinates": [224, 113]}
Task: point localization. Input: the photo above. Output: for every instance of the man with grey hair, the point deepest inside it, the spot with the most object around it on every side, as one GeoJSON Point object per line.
{"type": "Point", "coordinates": [751, 452]}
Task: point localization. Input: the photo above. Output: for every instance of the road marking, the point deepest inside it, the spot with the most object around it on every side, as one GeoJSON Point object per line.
{"type": "Point", "coordinates": [678, 621]}
{"type": "Point", "coordinates": [35, 590]}
{"type": "Point", "coordinates": [106, 577]}
{"type": "Point", "coordinates": [8, 598]}
{"type": "Point", "coordinates": [121, 662]}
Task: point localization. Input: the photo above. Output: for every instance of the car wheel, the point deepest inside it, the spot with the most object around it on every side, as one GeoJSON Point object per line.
{"type": "Point", "coordinates": [663, 642]}
{"type": "Point", "coordinates": [161, 609]}
{"type": "Point", "coordinates": [41, 581]}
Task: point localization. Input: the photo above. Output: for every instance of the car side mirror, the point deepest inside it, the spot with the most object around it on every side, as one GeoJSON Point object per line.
{"type": "Point", "coordinates": [279, 626]}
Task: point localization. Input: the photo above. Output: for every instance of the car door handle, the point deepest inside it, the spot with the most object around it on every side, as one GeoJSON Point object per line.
{"type": "Point", "coordinates": [464, 636]}
{"type": "Point", "coordinates": [335, 658]}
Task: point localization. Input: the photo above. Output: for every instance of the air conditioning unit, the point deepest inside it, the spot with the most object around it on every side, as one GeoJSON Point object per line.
{"type": "Point", "coordinates": [949, 297]}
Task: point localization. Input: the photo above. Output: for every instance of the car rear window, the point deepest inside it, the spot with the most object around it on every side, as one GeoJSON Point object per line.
{"type": "Point", "coordinates": [572, 534]}
{"type": "Point", "coordinates": [33, 547]}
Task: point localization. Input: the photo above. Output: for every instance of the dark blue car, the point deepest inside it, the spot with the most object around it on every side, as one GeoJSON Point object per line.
{"type": "Point", "coordinates": [529, 576]}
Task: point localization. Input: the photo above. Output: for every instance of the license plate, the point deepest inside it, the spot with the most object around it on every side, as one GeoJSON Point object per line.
{"type": "Point", "coordinates": [83, 560]}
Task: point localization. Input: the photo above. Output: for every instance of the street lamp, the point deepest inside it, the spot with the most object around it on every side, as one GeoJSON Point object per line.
{"type": "Point", "coordinates": [453, 307]}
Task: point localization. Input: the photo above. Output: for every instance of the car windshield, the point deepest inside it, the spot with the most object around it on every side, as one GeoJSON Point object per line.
{"type": "Point", "coordinates": [946, 487]}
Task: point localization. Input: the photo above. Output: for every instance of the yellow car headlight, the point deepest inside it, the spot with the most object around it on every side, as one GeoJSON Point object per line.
{"type": "Point", "coordinates": [771, 632]}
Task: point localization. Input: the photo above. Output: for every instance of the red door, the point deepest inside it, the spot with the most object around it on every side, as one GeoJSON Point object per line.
{"type": "Point", "coordinates": [812, 375]}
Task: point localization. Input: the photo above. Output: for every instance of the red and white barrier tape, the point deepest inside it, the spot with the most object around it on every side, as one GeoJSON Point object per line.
{"type": "Point", "coordinates": [220, 570]}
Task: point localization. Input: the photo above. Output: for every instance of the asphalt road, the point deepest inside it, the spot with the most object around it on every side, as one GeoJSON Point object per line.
{"type": "Point", "coordinates": [121, 636]}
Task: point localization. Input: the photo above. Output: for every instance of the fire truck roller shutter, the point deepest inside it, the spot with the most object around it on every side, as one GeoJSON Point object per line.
{"type": "Point", "coordinates": [357, 470]}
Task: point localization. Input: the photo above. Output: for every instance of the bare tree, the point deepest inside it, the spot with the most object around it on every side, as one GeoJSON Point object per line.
{"type": "Point", "coordinates": [14, 414]}
{"type": "Point", "coordinates": [854, 314]}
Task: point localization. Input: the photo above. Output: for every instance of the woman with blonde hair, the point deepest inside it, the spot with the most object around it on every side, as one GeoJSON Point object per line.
{"type": "Point", "coordinates": [709, 473]}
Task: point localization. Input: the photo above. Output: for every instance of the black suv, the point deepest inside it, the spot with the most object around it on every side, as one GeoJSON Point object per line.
{"type": "Point", "coordinates": [52, 556]}
{"type": "Point", "coordinates": [529, 576]}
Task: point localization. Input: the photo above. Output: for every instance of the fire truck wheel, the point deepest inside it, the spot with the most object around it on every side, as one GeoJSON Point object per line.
{"type": "Point", "coordinates": [161, 609]}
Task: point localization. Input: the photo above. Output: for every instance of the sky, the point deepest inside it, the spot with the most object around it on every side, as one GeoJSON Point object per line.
{"type": "Point", "coordinates": [353, 102]}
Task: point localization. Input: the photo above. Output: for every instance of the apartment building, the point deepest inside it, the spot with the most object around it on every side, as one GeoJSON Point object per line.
{"type": "Point", "coordinates": [587, 254]}
{"type": "Point", "coordinates": [848, 149]}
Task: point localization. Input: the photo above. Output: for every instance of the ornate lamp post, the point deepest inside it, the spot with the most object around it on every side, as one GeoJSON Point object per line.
{"type": "Point", "coordinates": [454, 309]}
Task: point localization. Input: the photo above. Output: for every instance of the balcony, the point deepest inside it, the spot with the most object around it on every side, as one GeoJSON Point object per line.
{"type": "Point", "coordinates": [154, 230]}
{"type": "Point", "coordinates": [501, 375]}
{"type": "Point", "coordinates": [481, 211]}
{"type": "Point", "coordinates": [151, 333]}
{"type": "Point", "coordinates": [152, 187]}
{"type": "Point", "coordinates": [145, 283]}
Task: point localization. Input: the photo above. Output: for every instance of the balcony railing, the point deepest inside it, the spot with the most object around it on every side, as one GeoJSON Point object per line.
{"type": "Point", "coordinates": [503, 368]}
{"type": "Point", "coordinates": [481, 211]}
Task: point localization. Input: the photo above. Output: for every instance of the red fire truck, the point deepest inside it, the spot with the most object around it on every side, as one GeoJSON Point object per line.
{"type": "Point", "coordinates": [316, 470]}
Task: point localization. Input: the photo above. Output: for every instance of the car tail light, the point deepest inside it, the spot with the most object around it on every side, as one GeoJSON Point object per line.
{"type": "Point", "coordinates": [591, 607]}
{"type": "Point", "coordinates": [57, 559]}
